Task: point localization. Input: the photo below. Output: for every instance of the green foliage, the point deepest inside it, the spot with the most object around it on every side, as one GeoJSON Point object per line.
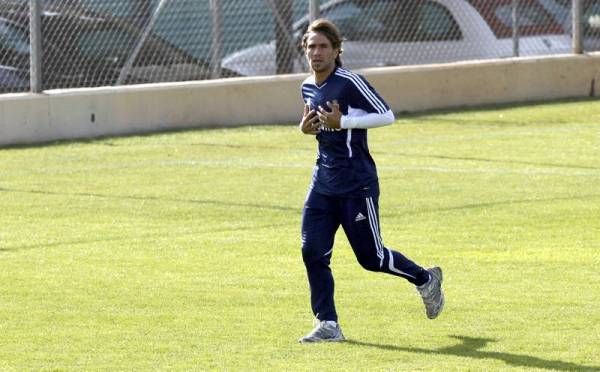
{"type": "Point", "coordinates": [182, 251]}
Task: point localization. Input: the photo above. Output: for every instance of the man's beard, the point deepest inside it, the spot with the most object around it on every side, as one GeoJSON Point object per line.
{"type": "Point", "coordinates": [319, 66]}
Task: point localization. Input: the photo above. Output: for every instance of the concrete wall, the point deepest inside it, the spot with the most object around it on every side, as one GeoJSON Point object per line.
{"type": "Point", "coordinates": [94, 112]}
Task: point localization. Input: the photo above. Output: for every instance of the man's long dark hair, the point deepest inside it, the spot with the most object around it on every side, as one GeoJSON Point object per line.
{"type": "Point", "coordinates": [330, 31]}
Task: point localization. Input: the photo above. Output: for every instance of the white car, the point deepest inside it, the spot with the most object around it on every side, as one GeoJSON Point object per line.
{"type": "Point", "coordinates": [561, 11]}
{"type": "Point", "coordinates": [406, 32]}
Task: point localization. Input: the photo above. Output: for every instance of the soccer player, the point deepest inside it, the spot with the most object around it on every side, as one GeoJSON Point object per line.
{"type": "Point", "coordinates": [340, 106]}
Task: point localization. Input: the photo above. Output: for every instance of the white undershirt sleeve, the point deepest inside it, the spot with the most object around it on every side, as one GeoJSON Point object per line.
{"type": "Point", "coordinates": [370, 120]}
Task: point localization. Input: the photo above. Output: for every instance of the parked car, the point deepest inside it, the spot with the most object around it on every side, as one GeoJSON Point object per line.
{"type": "Point", "coordinates": [11, 80]}
{"type": "Point", "coordinates": [561, 11]}
{"type": "Point", "coordinates": [405, 32]}
{"type": "Point", "coordinates": [86, 49]}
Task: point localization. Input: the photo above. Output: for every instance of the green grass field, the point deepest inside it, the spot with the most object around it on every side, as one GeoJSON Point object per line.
{"type": "Point", "coordinates": [181, 251]}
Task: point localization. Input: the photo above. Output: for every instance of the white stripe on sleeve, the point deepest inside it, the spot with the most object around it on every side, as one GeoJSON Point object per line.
{"type": "Point", "coordinates": [363, 89]}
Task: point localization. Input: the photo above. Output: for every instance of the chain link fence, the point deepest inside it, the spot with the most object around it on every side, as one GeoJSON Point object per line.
{"type": "Point", "coordinates": [88, 43]}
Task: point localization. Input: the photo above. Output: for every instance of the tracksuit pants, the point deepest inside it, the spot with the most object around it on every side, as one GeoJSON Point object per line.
{"type": "Point", "coordinates": [359, 217]}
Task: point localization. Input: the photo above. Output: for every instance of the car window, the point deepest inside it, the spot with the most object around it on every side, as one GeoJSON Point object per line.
{"type": "Point", "coordinates": [119, 8]}
{"type": "Point", "coordinates": [437, 23]}
{"type": "Point", "coordinates": [591, 18]}
{"type": "Point", "coordinates": [105, 44]}
{"type": "Point", "coordinates": [533, 18]}
{"type": "Point", "coordinates": [13, 38]}
{"type": "Point", "coordinates": [116, 46]}
{"type": "Point", "coordinates": [353, 22]}
{"type": "Point", "coordinates": [394, 21]}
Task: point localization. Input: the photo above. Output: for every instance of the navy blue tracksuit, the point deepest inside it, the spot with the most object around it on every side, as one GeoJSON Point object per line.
{"type": "Point", "coordinates": [344, 192]}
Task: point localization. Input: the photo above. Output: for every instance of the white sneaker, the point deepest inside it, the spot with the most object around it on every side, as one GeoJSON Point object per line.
{"type": "Point", "coordinates": [432, 294]}
{"type": "Point", "coordinates": [325, 331]}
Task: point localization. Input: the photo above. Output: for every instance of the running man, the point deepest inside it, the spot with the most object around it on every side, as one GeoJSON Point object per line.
{"type": "Point", "coordinates": [339, 108]}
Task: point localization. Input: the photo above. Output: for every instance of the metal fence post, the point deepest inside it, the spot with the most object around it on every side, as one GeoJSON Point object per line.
{"type": "Point", "coordinates": [515, 27]}
{"type": "Point", "coordinates": [35, 47]}
{"type": "Point", "coordinates": [136, 51]}
{"type": "Point", "coordinates": [217, 39]}
{"type": "Point", "coordinates": [577, 27]}
{"type": "Point", "coordinates": [284, 42]}
{"type": "Point", "coordinates": [314, 10]}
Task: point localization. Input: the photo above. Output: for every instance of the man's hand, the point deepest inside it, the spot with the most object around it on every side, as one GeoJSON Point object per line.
{"type": "Point", "coordinates": [331, 119]}
{"type": "Point", "coordinates": [310, 121]}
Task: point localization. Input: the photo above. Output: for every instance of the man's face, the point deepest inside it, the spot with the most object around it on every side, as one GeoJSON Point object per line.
{"type": "Point", "coordinates": [319, 52]}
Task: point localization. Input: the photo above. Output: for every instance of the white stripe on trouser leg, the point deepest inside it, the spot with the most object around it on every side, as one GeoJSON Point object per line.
{"type": "Point", "coordinates": [375, 229]}
{"type": "Point", "coordinates": [392, 268]}
{"type": "Point", "coordinates": [378, 241]}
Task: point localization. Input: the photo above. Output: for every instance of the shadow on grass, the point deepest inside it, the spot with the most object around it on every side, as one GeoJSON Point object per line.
{"type": "Point", "coordinates": [234, 229]}
{"type": "Point", "coordinates": [107, 140]}
{"type": "Point", "coordinates": [155, 198]}
{"type": "Point", "coordinates": [489, 160]}
{"type": "Point", "coordinates": [146, 198]}
{"type": "Point", "coordinates": [492, 107]}
{"type": "Point", "coordinates": [499, 203]}
{"type": "Point", "coordinates": [469, 347]}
